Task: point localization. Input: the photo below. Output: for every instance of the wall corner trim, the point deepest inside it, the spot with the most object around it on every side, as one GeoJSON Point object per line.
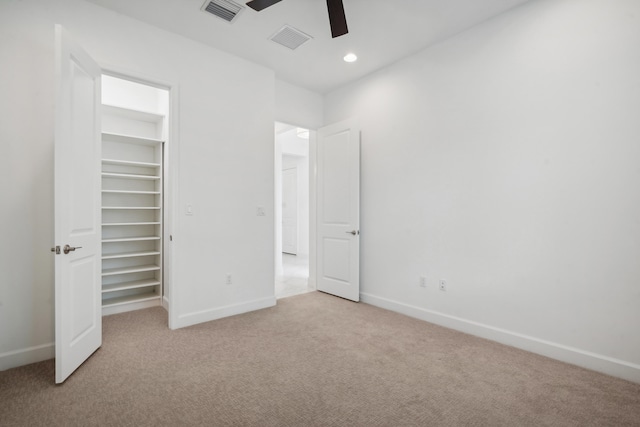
{"type": "Point", "coordinates": [596, 362]}
{"type": "Point", "coordinates": [26, 356]}
{"type": "Point", "coordinates": [194, 318]}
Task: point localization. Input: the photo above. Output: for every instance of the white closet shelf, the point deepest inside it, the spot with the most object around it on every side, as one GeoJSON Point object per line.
{"type": "Point", "coordinates": [106, 224]}
{"type": "Point", "coordinates": [128, 270]}
{"type": "Point", "coordinates": [129, 285]}
{"type": "Point", "coordinates": [110, 302]}
{"type": "Point", "coordinates": [130, 163]}
{"type": "Point", "coordinates": [130, 139]}
{"type": "Point", "coordinates": [134, 113]}
{"type": "Point", "coordinates": [124, 208]}
{"type": "Point", "coordinates": [130, 254]}
{"type": "Point", "coordinates": [130, 192]}
{"type": "Point", "coordinates": [132, 189]}
{"type": "Point", "coordinates": [129, 176]}
{"type": "Point", "coordinates": [130, 239]}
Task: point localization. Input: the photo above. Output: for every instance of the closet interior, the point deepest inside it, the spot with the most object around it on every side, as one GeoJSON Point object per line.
{"type": "Point", "coordinates": [134, 142]}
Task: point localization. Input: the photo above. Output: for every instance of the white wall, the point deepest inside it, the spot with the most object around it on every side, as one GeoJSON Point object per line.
{"type": "Point", "coordinates": [505, 160]}
{"type": "Point", "coordinates": [298, 106]}
{"type": "Point", "coordinates": [26, 189]}
{"type": "Point", "coordinates": [128, 94]}
{"type": "Point", "coordinates": [225, 166]}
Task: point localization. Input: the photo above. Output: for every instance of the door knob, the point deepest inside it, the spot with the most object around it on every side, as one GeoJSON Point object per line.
{"type": "Point", "coordinates": [68, 248]}
{"type": "Point", "coordinates": [354, 232]}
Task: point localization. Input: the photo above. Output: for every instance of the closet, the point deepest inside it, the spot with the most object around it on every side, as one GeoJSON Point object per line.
{"type": "Point", "coordinates": [134, 133]}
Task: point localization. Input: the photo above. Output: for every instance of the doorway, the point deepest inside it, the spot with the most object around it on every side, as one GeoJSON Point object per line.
{"type": "Point", "coordinates": [135, 119]}
{"type": "Point", "coordinates": [292, 186]}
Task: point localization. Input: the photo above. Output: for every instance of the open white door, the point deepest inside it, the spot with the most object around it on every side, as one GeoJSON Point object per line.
{"type": "Point", "coordinates": [78, 316]}
{"type": "Point", "coordinates": [338, 207]}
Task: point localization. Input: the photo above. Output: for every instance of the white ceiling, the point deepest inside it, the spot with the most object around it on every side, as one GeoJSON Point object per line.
{"type": "Point", "coordinates": [380, 32]}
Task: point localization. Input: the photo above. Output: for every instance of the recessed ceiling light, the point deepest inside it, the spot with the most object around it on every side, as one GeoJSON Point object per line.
{"type": "Point", "coordinates": [302, 133]}
{"type": "Point", "coordinates": [350, 57]}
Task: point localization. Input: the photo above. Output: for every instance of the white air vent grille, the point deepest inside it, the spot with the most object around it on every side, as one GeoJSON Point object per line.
{"type": "Point", "coordinates": [223, 9]}
{"type": "Point", "coordinates": [290, 37]}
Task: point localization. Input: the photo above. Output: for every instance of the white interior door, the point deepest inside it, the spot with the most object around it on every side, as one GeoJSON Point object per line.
{"type": "Point", "coordinates": [338, 207]}
{"type": "Point", "coordinates": [290, 211]}
{"type": "Point", "coordinates": [78, 318]}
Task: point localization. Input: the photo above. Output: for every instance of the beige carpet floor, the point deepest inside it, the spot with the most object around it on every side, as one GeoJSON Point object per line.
{"type": "Point", "coordinates": [313, 360]}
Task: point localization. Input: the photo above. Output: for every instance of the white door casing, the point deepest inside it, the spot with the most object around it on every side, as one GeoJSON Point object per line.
{"type": "Point", "coordinates": [78, 317]}
{"type": "Point", "coordinates": [338, 210]}
{"type": "Point", "coordinates": [290, 211]}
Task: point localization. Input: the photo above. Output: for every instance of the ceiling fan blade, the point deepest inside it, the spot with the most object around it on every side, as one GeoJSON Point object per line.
{"type": "Point", "coordinates": [258, 5]}
{"type": "Point", "coordinates": [337, 19]}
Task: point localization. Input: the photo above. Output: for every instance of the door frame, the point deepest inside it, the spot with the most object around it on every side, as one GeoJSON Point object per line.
{"type": "Point", "coordinates": [171, 157]}
{"type": "Point", "coordinates": [313, 207]}
{"type": "Point", "coordinates": [297, 211]}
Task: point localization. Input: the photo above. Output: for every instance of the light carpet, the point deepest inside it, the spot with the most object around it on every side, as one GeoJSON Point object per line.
{"type": "Point", "coordinates": [313, 360]}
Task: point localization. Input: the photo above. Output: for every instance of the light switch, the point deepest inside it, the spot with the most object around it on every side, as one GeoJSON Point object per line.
{"type": "Point", "coordinates": [189, 209]}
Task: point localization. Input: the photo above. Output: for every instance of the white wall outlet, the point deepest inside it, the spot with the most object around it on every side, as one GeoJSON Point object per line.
{"type": "Point", "coordinates": [228, 279]}
{"type": "Point", "coordinates": [442, 285]}
{"type": "Point", "coordinates": [260, 211]}
{"type": "Point", "coordinates": [423, 282]}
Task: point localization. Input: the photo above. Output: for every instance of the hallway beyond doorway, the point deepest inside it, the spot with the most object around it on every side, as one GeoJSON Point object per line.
{"type": "Point", "coordinates": [295, 277]}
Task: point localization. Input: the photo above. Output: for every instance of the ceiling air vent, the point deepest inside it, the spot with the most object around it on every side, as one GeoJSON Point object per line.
{"type": "Point", "coordinates": [224, 9]}
{"type": "Point", "coordinates": [290, 37]}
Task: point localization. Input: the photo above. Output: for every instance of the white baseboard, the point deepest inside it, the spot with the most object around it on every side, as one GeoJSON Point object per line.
{"type": "Point", "coordinates": [596, 362]}
{"type": "Point", "coordinates": [25, 356]}
{"type": "Point", "coordinates": [226, 311]}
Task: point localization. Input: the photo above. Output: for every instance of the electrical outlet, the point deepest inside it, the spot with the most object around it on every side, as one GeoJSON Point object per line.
{"type": "Point", "coordinates": [423, 282]}
{"type": "Point", "coordinates": [228, 279]}
{"type": "Point", "coordinates": [443, 285]}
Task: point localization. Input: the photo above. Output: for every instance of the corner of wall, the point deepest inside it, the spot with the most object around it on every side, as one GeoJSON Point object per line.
{"type": "Point", "coordinates": [298, 106]}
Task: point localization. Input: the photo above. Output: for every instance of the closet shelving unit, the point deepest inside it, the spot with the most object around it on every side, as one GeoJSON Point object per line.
{"type": "Point", "coordinates": [132, 209]}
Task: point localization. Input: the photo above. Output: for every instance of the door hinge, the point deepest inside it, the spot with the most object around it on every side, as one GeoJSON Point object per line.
{"type": "Point", "coordinates": [56, 250]}
{"type": "Point", "coordinates": [171, 237]}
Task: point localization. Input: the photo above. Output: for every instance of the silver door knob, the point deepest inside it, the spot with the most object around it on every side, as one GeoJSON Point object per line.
{"type": "Point", "coordinates": [66, 249]}
{"type": "Point", "coordinates": [354, 232]}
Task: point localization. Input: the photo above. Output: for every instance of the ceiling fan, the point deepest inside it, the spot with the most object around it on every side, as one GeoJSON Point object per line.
{"type": "Point", "coordinates": [337, 18]}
